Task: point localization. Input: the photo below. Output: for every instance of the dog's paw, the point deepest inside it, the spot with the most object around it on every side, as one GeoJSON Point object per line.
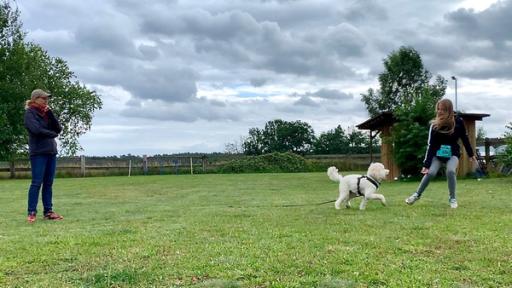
{"type": "Point", "coordinates": [384, 203]}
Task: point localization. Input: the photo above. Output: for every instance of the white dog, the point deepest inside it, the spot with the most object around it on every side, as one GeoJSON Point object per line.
{"type": "Point", "coordinates": [352, 186]}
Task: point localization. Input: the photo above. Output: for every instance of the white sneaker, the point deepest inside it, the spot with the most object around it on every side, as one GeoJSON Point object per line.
{"type": "Point", "coordinates": [413, 198]}
{"type": "Point", "coordinates": [453, 203]}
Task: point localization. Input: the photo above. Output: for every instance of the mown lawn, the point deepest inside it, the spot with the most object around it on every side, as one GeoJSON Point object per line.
{"type": "Point", "coordinates": [230, 231]}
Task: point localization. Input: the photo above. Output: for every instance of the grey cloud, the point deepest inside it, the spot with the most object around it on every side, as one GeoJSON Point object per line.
{"type": "Point", "coordinates": [489, 24]}
{"type": "Point", "coordinates": [332, 94]}
{"type": "Point", "coordinates": [365, 10]}
{"type": "Point", "coordinates": [306, 101]}
{"type": "Point", "coordinates": [173, 85]}
{"type": "Point", "coordinates": [324, 93]}
{"type": "Point", "coordinates": [165, 80]}
{"type": "Point", "coordinates": [201, 23]}
{"type": "Point", "coordinates": [495, 70]}
{"type": "Point", "coordinates": [199, 109]}
{"type": "Point", "coordinates": [345, 40]}
{"type": "Point", "coordinates": [258, 82]}
{"type": "Point", "coordinates": [103, 36]}
{"type": "Point", "coordinates": [238, 37]}
{"type": "Point", "coordinates": [279, 1]}
{"type": "Point", "coordinates": [150, 53]}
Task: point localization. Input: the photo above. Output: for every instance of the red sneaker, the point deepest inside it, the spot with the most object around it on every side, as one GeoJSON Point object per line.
{"type": "Point", "coordinates": [52, 216]}
{"type": "Point", "coordinates": [31, 218]}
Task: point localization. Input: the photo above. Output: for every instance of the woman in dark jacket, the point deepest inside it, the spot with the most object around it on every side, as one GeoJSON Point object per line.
{"type": "Point", "coordinates": [43, 128]}
{"type": "Point", "coordinates": [443, 147]}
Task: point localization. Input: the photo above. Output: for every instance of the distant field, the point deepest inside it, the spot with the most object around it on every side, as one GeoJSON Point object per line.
{"type": "Point", "coordinates": [230, 231]}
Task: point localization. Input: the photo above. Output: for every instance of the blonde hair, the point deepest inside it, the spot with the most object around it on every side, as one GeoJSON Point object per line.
{"type": "Point", "coordinates": [445, 117]}
{"type": "Point", "coordinates": [28, 103]}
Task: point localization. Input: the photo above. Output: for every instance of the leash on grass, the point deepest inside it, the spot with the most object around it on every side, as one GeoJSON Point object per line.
{"type": "Point", "coordinates": [298, 205]}
{"type": "Point", "coordinates": [288, 205]}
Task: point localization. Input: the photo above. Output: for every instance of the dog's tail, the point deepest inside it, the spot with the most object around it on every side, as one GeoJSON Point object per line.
{"type": "Point", "coordinates": [333, 174]}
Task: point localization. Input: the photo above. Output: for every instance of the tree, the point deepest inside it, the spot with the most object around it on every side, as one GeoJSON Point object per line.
{"type": "Point", "coordinates": [254, 143]}
{"type": "Point", "coordinates": [235, 147]}
{"type": "Point", "coordinates": [358, 142]}
{"type": "Point", "coordinates": [480, 135]}
{"type": "Point", "coordinates": [334, 141]}
{"type": "Point", "coordinates": [280, 136]}
{"type": "Point", "coordinates": [506, 157]}
{"type": "Point", "coordinates": [406, 91]}
{"type": "Point", "coordinates": [410, 133]}
{"type": "Point", "coordinates": [25, 66]}
{"type": "Point", "coordinates": [403, 78]}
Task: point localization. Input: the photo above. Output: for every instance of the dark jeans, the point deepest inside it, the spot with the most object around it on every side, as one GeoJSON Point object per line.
{"type": "Point", "coordinates": [43, 172]}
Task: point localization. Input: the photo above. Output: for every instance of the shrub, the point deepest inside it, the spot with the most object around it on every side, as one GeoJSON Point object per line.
{"type": "Point", "coordinates": [505, 158]}
{"type": "Point", "coordinates": [273, 162]}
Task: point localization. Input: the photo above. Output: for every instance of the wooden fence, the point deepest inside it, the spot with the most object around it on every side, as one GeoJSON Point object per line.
{"type": "Point", "coordinates": [98, 166]}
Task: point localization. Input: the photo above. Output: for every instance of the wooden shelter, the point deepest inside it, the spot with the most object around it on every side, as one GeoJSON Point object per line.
{"type": "Point", "coordinates": [383, 124]}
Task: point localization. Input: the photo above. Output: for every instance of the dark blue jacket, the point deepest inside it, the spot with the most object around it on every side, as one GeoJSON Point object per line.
{"type": "Point", "coordinates": [436, 139]}
{"type": "Point", "coordinates": [41, 133]}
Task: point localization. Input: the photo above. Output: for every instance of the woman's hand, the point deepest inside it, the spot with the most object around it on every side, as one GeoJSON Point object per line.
{"type": "Point", "coordinates": [424, 170]}
{"type": "Point", "coordinates": [473, 159]}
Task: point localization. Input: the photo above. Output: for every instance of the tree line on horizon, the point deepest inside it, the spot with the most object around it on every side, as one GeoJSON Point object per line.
{"type": "Point", "coordinates": [299, 137]}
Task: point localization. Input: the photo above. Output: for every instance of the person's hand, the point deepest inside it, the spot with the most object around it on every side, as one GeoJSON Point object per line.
{"type": "Point", "coordinates": [473, 159]}
{"type": "Point", "coordinates": [424, 170]}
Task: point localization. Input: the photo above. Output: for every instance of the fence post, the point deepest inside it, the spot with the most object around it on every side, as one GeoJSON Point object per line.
{"type": "Point", "coordinates": [12, 169]}
{"type": "Point", "coordinates": [145, 164]}
{"type": "Point", "coordinates": [82, 165]}
{"type": "Point", "coordinates": [487, 156]}
{"type": "Point", "coordinates": [176, 165]}
{"type": "Point", "coordinates": [130, 168]}
{"type": "Point", "coordinates": [191, 167]}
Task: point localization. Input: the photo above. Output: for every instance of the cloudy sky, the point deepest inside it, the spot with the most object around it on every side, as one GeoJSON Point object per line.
{"type": "Point", "coordinates": [193, 75]}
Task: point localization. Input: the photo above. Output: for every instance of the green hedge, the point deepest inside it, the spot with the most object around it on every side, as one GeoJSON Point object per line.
{"type": "Point", "coordinates": [286, 162]}
{"type": "Point", "coordinates": [273, 162]}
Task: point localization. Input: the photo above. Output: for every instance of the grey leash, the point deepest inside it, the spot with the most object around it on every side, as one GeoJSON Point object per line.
{"type": "Point", "coordinates": [286, 205]}
{"type": "Point", "coordinates": [297, 205]}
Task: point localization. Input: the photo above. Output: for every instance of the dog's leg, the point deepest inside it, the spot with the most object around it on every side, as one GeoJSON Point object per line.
{"type": "Point", "coordinates": [362, 206]}
{"type": "Point", "coordinates": [343, 195]}
{"type": "Point", "coordinates": [380, 197]}
{"type": "Point", "coordinates": [347, 203]}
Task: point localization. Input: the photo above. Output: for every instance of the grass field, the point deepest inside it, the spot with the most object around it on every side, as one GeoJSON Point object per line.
{"type": "Point", "coordinates": [230, 231]}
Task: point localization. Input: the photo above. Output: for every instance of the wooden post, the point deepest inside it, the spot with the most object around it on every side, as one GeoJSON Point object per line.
{"type": "Point", "coordinates": [371, 147]}
{"type": "Point", "coordinates": [145, 164]}
{"type": "Point", "coordinates": [487, 152]}
{"type": "Point", "coordinates": [465, 166]}
{"type": "Point", "coordinates": [191, 167]}
{"type": "Point", "coordinates": [386, 154]}
{"type": "Point", "coordinates": [130, 168]}
{"type": "Point", "coordinates": [12, 169]}
{"type": "Point", "coordinates": [82, 165]}
{"type": "Point", "coordinates": [176, 165]}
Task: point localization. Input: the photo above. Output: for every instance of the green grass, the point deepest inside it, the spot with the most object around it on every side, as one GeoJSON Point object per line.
{"type": "Point", "coordinates": [229, 231]}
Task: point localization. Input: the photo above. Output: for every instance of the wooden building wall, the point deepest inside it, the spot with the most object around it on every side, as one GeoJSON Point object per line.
{"type": "Point", "coordinates": [465, 165]}
{"type": "Point", "coordinates": [386, 154]}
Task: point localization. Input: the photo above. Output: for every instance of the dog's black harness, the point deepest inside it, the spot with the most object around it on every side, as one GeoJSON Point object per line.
{"type": "Point", "coordinates": [373, 181]}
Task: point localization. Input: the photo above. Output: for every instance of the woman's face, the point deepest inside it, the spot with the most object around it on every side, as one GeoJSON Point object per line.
{"type": "Point", "coordinates": [441, 109]}
{"type": "Point", "coordinates": [42, 100]}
